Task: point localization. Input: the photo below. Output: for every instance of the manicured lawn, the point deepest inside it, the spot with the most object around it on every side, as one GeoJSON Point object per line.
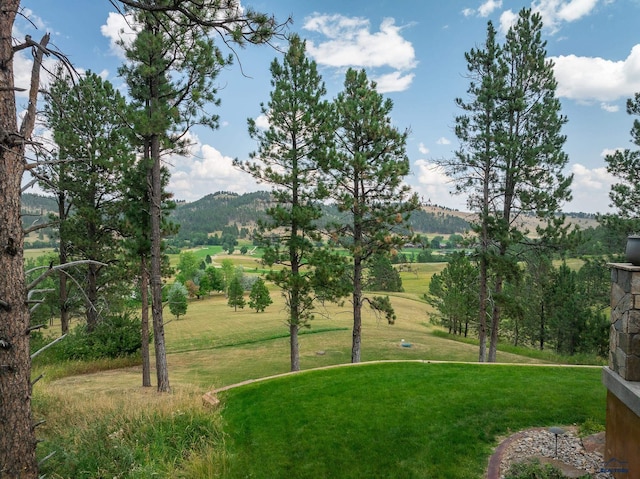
{"type": "Point", "coordinates": [398, 420]}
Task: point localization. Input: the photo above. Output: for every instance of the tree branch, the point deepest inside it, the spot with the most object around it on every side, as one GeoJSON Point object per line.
{"type": "Point", "coordinates": [44, 348]}
{"type": "Point", "coordinates": [59, 267]}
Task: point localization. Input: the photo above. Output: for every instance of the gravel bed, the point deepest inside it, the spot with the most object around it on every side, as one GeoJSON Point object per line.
{"type": "Point", "coordinates": [542, 443]}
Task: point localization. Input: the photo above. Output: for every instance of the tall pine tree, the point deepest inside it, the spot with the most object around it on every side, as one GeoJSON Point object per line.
{"type": "Point", "coordinates": [364, 175]}
{"type": "Point", "coordinates": [287, 159]}
{"type": "Point", "coordinates": [511, 160]}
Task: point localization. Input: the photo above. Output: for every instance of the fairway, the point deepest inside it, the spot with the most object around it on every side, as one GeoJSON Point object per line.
{"type": "Point", "coordinates": [214, 346]}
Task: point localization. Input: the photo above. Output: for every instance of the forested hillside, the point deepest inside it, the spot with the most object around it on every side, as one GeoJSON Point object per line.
{"type": "Point", "coordinates": [216, 211]}
{"type": "Point", "coordinates": [36, 210]}
{"type": "Point", "coordinates": [223, 209]}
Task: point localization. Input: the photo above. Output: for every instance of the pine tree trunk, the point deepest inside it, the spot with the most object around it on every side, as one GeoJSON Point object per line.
{"type": "Point", "coordinates": [144, 297]}
{"type": "Point", "coordinates": [62, 278]}
{"type": "Point", "coordinates": [295, 347]}
{"type": "Point", "coordinates": [356, 338]}
{"type": "Point", "coordinates": [495, 322]}
{"type": "Point", "coordinates": [162, 370]}
{"type": "Point", "coordinates": [92, 297]}
{"type": "Point", "coordinates": [17, 437]}
{"type": "Point", "coordinates": [482, 313]}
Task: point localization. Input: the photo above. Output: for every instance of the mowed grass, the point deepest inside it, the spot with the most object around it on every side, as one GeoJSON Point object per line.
{"type": "Point", "coordinates": [395, 420]}
{"type": "Point", "coordinates": [401, 420]}
{"type": "Point", "coordinates": [213, 346]}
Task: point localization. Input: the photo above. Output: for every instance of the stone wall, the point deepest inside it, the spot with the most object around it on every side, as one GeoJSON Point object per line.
{"type": "Point", "coordinates": [624, 340]}
{"type": "Point", "coordinates": [622, 377]}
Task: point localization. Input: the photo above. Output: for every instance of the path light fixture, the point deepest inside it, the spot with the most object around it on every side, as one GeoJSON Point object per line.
{"type": "Point", "coordinates": [556, 431]}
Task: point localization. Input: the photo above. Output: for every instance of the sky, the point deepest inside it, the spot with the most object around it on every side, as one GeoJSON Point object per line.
{"type": "Point", "coordinates": [414, 51]}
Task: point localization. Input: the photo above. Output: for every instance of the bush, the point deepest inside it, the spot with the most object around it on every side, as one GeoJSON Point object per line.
{"type": "Point", "coordinates": [116, 336]}
{"type": "Point", "coordinates": [534, 469]}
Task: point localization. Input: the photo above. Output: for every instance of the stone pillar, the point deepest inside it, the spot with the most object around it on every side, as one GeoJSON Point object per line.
{"type": "Point", "coordinates": [622, 377]}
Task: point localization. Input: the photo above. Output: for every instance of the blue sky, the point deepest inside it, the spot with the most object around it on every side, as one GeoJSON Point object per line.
{"type": "Point", "coordinates": [414, 49]}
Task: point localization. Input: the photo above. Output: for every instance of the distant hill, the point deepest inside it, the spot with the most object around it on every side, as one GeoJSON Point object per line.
{"type": "Point", "coordinates": [35, 209]}
{"type": "Point", "coordinates": [582, 220]}
{"type": "Point", "coordinates": [220, 210]}
{"type": "Point", "coordinates": [216, 211]}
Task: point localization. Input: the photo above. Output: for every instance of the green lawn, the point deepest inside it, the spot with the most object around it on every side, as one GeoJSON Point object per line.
{"type": "Point", "coordinates": [398, 420]}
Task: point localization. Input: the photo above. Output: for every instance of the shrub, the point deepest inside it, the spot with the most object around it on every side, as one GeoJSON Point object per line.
{"type": "Point", "coordinates": [115, 336]}
{"type": "Point", "coordinates": [534, 469]}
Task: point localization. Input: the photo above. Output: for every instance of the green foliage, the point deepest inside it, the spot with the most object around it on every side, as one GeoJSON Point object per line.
{"type": "Point", "coordinates": [215, 279]}
{"type": "Point", "coordinates": [382, 304]}
{"type": "Point", "coordinates": [382, 276]}
{"type": "Point", "coordinates": [511, 161]}
{"type": "Point", "coordinates": [533, 469]}
{"type": "Point", "coordinates": [625, 166]}
{"type": "Point", "coordinates": [177, 298]}
{"type": "Point", "coordinates": [287, 159]}
{"type": "Point", "coordinates": [88, 120]}
{"type": "Point", "coordinates": [363, 175]}
{"type": "Point", "coordinates": [115, 336]}
{"type": "Point", "coordinates": [188, 264]}
{"type": "Point", "coordinates": [453, 293]}
{"type": "Point", "coordinates": [236, 294]}
{"type": "Point", "coordinates": [259, 298]}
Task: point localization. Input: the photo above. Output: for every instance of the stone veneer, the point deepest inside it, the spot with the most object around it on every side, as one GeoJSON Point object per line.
{"type": "Point", "coordinates": [622, 377]}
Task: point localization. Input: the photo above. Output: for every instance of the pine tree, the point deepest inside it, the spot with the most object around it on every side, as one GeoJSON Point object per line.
{"type": "Point", "coordinates": [236, 294]}
{"type": "Point", "coordinates": [177, 298]}
{"type": "Point", "coordinates": [511, 160]}
{"type": "Point", "coordinates": [287, 160]}
{"type": "Point", "coordinates": [259, 297]}
{"type": "Point", "coordinates": [87, 118]}
{"type": "Point", "coordinates": [625, 166]}
{"type": "Point", "coordinates": [364, 175]}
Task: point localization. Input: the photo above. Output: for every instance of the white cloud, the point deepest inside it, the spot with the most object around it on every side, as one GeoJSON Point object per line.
{"type": "Point", "coordinates": [350, 42]}
{"type": "Point", "coordinates": [593, 78]}
{"type": "Point", "coordinates": [118, 28]}
{"type": "Point", "coordinates": [435, 186]}
{"type": "Point", "coordinates": [484, 10]}
{"type": "Point", "coordinates": [262, 122]}
{"type": "Point", "coordinates": [443, 141]}
{"type": "Point", "coordinates": [395, 81]}
{"type": "Point", "coordinates": [590, 189]}
{"type": "Point", "coordinates": [609, 107]}
{"type": "Point", "coordinates": [423, 149]}
{"type": "Point", "coordinates": [610, 151]}
{"type": "Point", "coordinates": [507, 19]}
{"type": "Point", "coordinates": [207, 170]}
{"type": "Point", "coordinates": [488, 7]}
{"type": "Point", "coordinates": [553, 12]}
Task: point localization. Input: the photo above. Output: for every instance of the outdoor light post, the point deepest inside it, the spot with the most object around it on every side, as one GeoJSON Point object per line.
{"type": "Point", "coordinates": [556, 431]}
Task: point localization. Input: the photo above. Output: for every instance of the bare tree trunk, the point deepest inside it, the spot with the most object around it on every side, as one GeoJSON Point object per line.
{"type": "Point", "coordinates": [356, 336]}
{"type": "Point", "coordinates": [162, 370]}
{"type": "Point", "coordinates": [295, 347]}
{"type": "Point", "coordinates": [144, 297]}
{"type": "Point", "coordinates": [495, 322]}
{"type": "Point", "coordinates": [17, 436]}
{"type": "Point", "coordinates": [482, 313]}
{"type": "Point", "coordinates": [62, 278]}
